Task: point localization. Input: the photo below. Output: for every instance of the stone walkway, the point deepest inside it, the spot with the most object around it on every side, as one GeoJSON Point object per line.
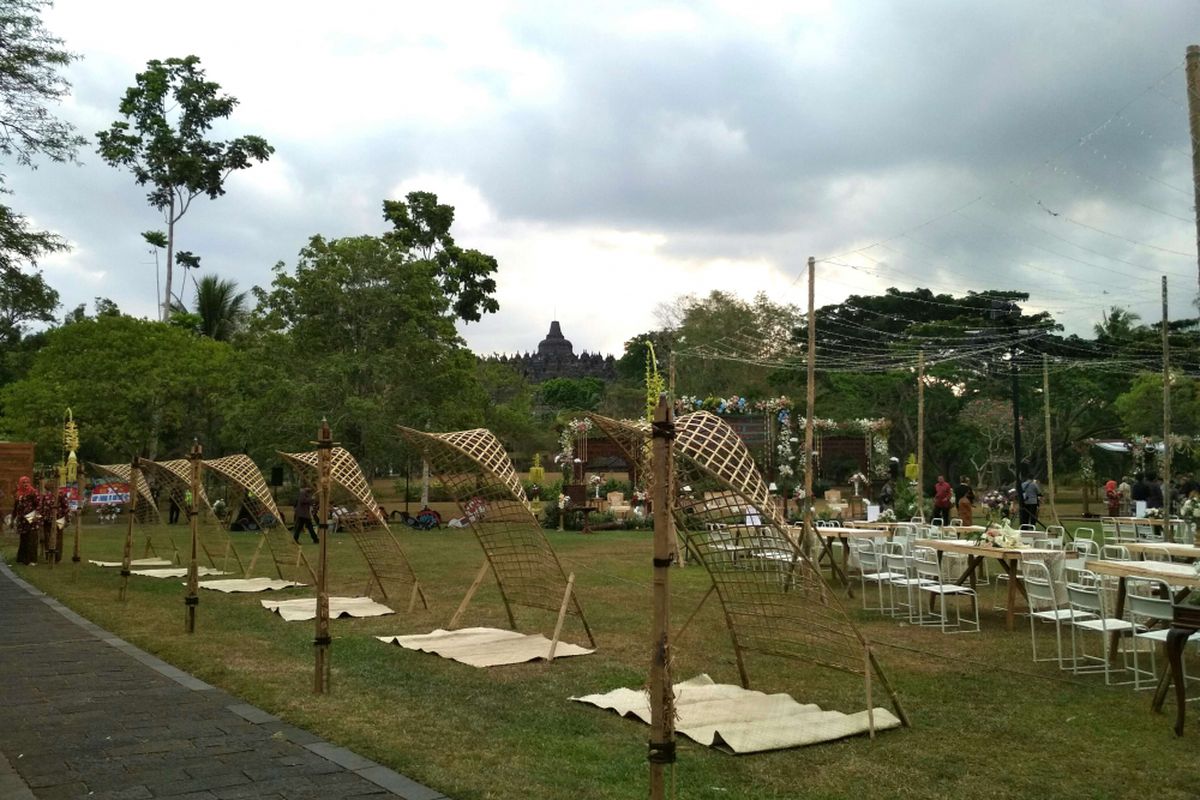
{"type": "Point", "coordinates": [85, 714]}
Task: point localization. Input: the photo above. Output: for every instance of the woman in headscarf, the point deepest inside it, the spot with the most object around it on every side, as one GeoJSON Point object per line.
{"type": "Point", "coordinates": [1113, 497]}
{"type": "Point", "coordinates": [25, 510]}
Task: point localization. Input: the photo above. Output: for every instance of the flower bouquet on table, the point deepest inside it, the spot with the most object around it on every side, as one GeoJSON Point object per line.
{"type": "Point", "coordinates": [1004, 536]}
{"type": "Point", "coordinates": [1190, 510]}
{"type": "Point", "coordinates": [887, 515]}
{"type": "Point", "coordinates": [1154, 513]}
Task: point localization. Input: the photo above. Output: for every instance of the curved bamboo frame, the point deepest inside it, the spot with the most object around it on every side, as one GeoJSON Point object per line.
{"type": "Point", "coordinates": [176, 477]}
{"type": "Point", "coordinates": [386, 560]}
{"type": "Point", "coordinates": [774, 599]}
{"type": "Point", "coordinates": [475, 467]}
{"type": "Point", "coordinates": [122, 472]}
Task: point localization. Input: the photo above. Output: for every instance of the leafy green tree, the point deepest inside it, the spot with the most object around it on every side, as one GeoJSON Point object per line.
{"type": "Point", "coordinates": [162, 141]}
{"type": "Point", "coordinates": [219, 310]}
{"type": "Point", "coordinates": [572, 394]}
{"type": "Point", "coordinates": [421, 227]}
{"type": "Point", "coordinates": [117, 373]}
{"type": "Point", "coordinates": [363, 335]}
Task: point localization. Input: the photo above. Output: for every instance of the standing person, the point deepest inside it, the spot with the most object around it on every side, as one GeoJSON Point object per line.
{"type": "Point", "coordinates": [62, 513]}
{"type": "Point", "coordinates": [1125, 493]}
{"type": "Point", "coordinates": [942, 492]}
{"type": "Point", "coordinates": [24, 512]}
{"type": "Point", "coordinates": [48, 511]}
{"type": "Point", "coordinates": [303, 513]}
{"type": "Point", "coordinates": [1031, 496]}
{"type": "Point", "coordinates": [1113, 496]}
{"type": "Point", "coordinates": [173, 514]}
{"type": "Point", "coordinates": [965, 498]}
{"type": "Point", "coordinates": [1154, 493]}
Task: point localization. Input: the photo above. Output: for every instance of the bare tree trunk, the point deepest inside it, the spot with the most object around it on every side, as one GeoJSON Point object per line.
{"type": "Point", "coordinates": [166, 303]}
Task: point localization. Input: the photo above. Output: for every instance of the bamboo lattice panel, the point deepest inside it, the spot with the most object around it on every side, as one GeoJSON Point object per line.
{"type": "Point", "coordinates": [775, 599]}
{"type": "Point", "coordinates": [390, 567]}
{"type": "Point", "coordinates": [344, 473]}
{"type": "Point", "coordinates": [147, 509]}
{"type": "Point", "coordinates": [176, 477]}
{"type": "Point", "coordinates": [632, 437]}
{"type": "Point", "coordinates": [287, 557]}
{"type": "Point", "coordinates": [480, 477]}
{"type": "Point", "coordinates": [240, 471]}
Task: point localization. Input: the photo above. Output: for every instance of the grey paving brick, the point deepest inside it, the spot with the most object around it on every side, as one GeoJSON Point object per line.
{"type": "Point", "coordinates": [95, 727]}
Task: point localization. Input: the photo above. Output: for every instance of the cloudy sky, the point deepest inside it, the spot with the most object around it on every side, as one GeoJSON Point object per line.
{"type": "Point", "coordinates": [614, 156]}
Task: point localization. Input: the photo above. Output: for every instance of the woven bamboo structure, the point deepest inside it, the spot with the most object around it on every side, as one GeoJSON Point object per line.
{"type": "Point", "coordinates": [147, 510]}
{"type": "Point", "coordinates": [346, 475]}
{"type": "Point", "coordinates": [480, 476]}
{"type": "Point", "coordinates": [774, 599]}
{"type": "Point", "coordinates": [146, 514]}
{"type": "Point", "coordinates": [175, 479]}
{"type": "Point", "coordinates": [391, 573]}
{"type": "Point", "coordinates": [250, 490]}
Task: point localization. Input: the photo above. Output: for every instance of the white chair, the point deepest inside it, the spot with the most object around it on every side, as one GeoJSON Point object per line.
{"type": "Point", "coordinates": [929, 570]}
{"type": "Point", "coordinates": [1080, 551]}
{"type": "Point", "coordinates": [1110, 529]}
{"type": "Point", "coordinates": [1148, 601]}
{"type": "Point", "coordinates": [900, 564]}
{"type": "Point", "coordinates": [871, 570]}
{"type": "Point", "coordinates": [1115, 552]}
{"type": "Point", "coordinates": [956, 523]}
{"type": "Point", "coordinates": [1147, 532]}
{"type": "Point", "coordinates": [1044, 605]}
{"type": "Point", "coordinates": [1087, 596]}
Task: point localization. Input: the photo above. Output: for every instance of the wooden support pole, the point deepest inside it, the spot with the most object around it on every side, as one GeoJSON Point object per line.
{"type": "Point", "coordinates": [321, 640]}
{"type": "Point", "coordinates": [1049, 441]}
{"type": "Point", "coordinates": [1166, 458]}
{"type": "Point", "coordinates": [191, 597]}
{"type": "Point", "coordinates": [921, 433]}
{"type": "Point", "coordinates": [810, 403]}
{"type": "Point", "coordinates": [562, 615]}
{"type": "Point", "coordinates": [662, 701]}
{"type": "Point", "coordinates": [135, 473]}
{"type": "Point", "coordinates": [1192, 72]}
{"type": "Point", "coordinates": [75, 555]}
{"type": "Point", "coordinates": [483, 568]}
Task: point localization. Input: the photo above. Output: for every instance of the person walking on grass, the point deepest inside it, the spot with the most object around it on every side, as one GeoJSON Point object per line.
{"type": "Point", "coordinates": [965, 496]}
{"type": "Point", "coordinates": [25, 520]}
{"type": "Point", "coordinates": [1031, 498]}
{"type": "Point", "coordinates": [942, 493]}
{"type": "Point", "coordinates": [304, 511]}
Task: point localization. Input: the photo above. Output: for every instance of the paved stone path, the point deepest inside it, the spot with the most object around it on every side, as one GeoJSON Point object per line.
{"type": "Point", "coordinates": [85, 714]}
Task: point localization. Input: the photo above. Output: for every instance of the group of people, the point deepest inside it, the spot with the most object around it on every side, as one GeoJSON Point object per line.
{"type": "Point", "coordinates": [959, 501]}
{"type": "Point", "coordinates": [1122, 498]}
{"type": "Point", "coordinates": [39, 519]}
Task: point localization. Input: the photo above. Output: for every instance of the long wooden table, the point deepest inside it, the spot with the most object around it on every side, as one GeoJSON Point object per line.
{"type": "Point", "coordinates": [1009, 558]}
{"type": "Point", "coordinates": [827, 536]}
{"type": "Point", "coordinates": [1185, 551]}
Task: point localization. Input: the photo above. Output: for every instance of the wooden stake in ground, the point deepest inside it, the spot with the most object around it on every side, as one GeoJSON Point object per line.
{"type": "Point", "coordinates": [321, 640]}
{"type": "Point", "coordinates": [1049, 444]}
{"type": "Point", "coordinates": [79, 510]}
{"type": "Point", "coordinates": [662, 700]}
{"type": "Point", "coordinates": [191, 597]}
{"type": "Point", "coordinates": [1166, 459]}
{"type": "Point", "coordinates": [811, 400]}
{"type": "Point", "coordinates": [921, 433]}
{"type": "Point", "coordinates": [135, 474]}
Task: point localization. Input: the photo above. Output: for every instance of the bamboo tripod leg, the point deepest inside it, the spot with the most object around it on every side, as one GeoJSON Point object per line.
{"type": "Point", "coordinates": [412, 597]}
{"type": "Point", "coordinates": [470, 593]}
{"type": "Point", "coordinates": [870, 701]}
{"type": "Point", "coordinates": [692, 616]}
{"type": "Point", "coordinates": [562, 614]}
{"type": "Point", "coordinates": [887, 686]}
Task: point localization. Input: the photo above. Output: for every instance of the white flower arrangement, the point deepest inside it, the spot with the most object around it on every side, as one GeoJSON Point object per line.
{"type": "Point", "coordinates": [1190, 510]}
{"type": "Point", "coordinates": [887, 515]}
{"type": "Point", "coordinates": [1154, 513]}
{"type": "Point", "coordinates": [563, 501]}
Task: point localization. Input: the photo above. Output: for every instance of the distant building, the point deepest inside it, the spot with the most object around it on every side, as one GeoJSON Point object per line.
{"type": "Point", "coordinates": [555, 358]}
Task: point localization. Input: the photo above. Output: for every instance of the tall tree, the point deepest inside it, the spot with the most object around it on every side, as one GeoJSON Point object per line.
{"type": "Point", "coordinates": [30, 81]}
{"type": "Point", "coordinates": [219, 307]}
{"type": "Point", "coordinates": [162, 141]}
{"type": "Point", "coordinates": [421, 226]}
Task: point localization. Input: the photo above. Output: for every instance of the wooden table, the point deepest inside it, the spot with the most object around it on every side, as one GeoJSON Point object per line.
{"type": "Point", "coordinates": [827, 536]}
{"type": "Point", "coordinates": [1183, 575]}
{"type": "Point", "coordinates": [1184, 551]}
{"type": "Point", "coordinates": [1009, 558]}
{"type": "Point", "coordinates": [862, 523]}
{"type": "Point", "coordinates": [1185, 623]}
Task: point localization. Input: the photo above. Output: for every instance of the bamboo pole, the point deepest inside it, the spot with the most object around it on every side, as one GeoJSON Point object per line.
{"type": "Point", "coordinates": [321, 640]}
{"type": "Point", "coordinates": [135, 473]}
{"type": "Point", "coordinates": [1049, 445]}
{"type": "Point", "coordinates": [78, 511]}
{"type": "Point", "coordinates": [1166, 459]}
{"type": "Point", "coordinates": [810, 403]}
{"type": "Point", "coordinates": [921, 433]}
{"type": "Point", "coordinates": [662, 701]}
{"type": "Point", "coordinates": [192, 594]}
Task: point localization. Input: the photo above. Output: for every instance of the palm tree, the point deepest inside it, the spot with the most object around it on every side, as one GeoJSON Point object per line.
{"type": "Point", "coordinates": [220, 306]}
{"type": "Point", "coordinates": [1118, 325]}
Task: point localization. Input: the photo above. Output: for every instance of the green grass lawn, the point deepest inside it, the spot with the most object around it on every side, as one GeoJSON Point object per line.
{"type": "Point", "coordinates": [988, 723]}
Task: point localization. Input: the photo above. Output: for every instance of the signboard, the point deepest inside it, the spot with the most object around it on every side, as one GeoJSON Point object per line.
{"type": "Point", "coordinates": [104, 494]}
